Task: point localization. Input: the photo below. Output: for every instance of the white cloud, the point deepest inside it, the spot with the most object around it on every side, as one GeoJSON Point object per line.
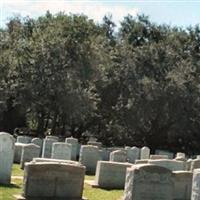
{"type": "Point", "coordinates": [94, 10]}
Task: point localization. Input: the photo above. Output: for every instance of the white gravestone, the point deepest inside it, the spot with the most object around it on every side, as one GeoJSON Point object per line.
{"type": "Point", "coordinates": [111, 175]}
{"type": "Point", "coordinates": [89, 155]}
{"type": "Point", "coordinates": [47, 147]}
{"type": "Point", "coordinates": [144, 153]}
{"type": "Point", "coordinates": [118, 156]}
{"type": "Point", "coordinates": [172, 165]}
{"type": "Point", "coordinates": [6, 157]}
{"type": "Point", "coordinates": [74, 143]}
{"type": "Point", "coordinates": [182, 185]}
{"type": "Point", "coordinates": [196, 185]}
{"type": "Point", "coordinates": [61, 150]}
{"type": "Point", "coordinates": [29, 151]}
{"type": "Point", "coordinates": [148, 182]}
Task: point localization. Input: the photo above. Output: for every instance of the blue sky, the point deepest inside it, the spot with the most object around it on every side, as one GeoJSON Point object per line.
{"type": "Point", "coordinates": [174, 12]}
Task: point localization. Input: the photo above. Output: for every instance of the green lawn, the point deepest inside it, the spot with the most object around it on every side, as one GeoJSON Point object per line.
{"type": "Point", "coordinates": [7, 192]}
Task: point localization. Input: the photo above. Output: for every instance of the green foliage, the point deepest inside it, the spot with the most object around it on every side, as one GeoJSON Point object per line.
{"type": "Point", "coordinates": [135, 86]}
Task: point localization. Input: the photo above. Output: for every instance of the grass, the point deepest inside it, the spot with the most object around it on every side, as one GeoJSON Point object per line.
{"type": "Point", "coordinates": [7, 192]}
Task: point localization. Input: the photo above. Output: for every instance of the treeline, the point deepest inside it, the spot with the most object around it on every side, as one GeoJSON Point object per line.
{"type": "Point", "coordinates": [138, 84]}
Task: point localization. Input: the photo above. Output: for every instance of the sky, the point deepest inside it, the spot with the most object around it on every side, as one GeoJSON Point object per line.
{"type": "Point", "coordinates": [181, 13]}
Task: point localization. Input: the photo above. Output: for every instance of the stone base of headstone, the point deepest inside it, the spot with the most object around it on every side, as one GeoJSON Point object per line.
{"type": "Point", "coordinates": [20, 197]}
{"type": "Point", "coordinates": [92, 183]}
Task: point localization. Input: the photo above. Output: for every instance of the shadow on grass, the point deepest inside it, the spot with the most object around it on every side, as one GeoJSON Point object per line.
{"type": "Point", "coordinates": [9, 186]}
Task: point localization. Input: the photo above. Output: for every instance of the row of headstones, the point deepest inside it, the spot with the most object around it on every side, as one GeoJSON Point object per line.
{"type": "Point", "coordinates": [150, 177]}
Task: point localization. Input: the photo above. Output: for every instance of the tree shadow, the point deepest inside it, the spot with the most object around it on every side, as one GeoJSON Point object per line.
{"type": "Point", "coordinates": [12, 185]}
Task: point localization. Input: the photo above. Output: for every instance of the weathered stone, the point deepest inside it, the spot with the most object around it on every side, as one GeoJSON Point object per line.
{"type": "Point", "coordinates": [6, 157]}
{"type": "Point", "coordinates": [56, 161]}
{"type": "Point", "coordinates": [188, 164]}
{"type": "Point", "coordinates": [111, 175]}
{"type": "Point", "coordinates": [172, 165]}
{"type": "Point", "coordinates": [157, 157]}
{"type": "Point", "coordinates": [24, 139]}
{"type": "Point", "coordinates": [132, 154]}
{"type": "Point", "coordinates": [164, 152]}
{"type": "Point", "coordinates": [180, 156]}
{"type": "Point", "coordinates": [118, 156]}
{"type": "Point", "coordinates": [148, 182]}
{"type": "Point", "coordinates": [182, 185]}
{"type": "Point", "coordinates": [53, 181]}
{"type": "Point", "coordinates": [18, 152]}
{"type": "Point", "coordinates": [94, 143]}
{"type": "Point", "coordinates": [29, 151]}
{"type": "Point", "coordinates": [196, 185]}
{"type": "Point", "coordinates": [74, 143]}
{"type": "Point", "coordinates": [144, 153]}
{"type": "Point", "coordinates": [52, 137]}
{"type": "Point", "coordinates": [47, 147]}
{"type": "Point", "coordinates": [38, 142]}
{"type": "Point", "coordinates": [145, 161]}
{"type": "Point", "coordinates": [61, 150]}
{"type": "Point", "coordinates": [195, 164]}
{"type": "Point", "coordinates": [89, 155]}
{"type": "Point", "coordinates": [105, 154]}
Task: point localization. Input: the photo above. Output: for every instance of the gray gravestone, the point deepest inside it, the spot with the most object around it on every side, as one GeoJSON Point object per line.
{"type": "Point", "coordinates": [53, 181]}
{"type": "Point", "coordinates": [182, 185]}
{"type": "Point", "coordinates": [6, 157]}
{"type": "Point", "coordinates": [38, 142]}
{"type": "Point", "coordinates": [24, 139]}
{"type": "Point", "coordinates": [118, 156]}
{"type": "Point", "coordinates": [172, 165]}
{"type": "Point", "coordinates": [196, 185]}
{"type": "Point", "coordinates": [133, 154]}
{"type": "Point", "coordinates": [18, 152]}
{"type": "Point", "coordinates": [89, 155]}
{"type": "Point", "coordinates": [74, 143]}
{"type": "Point", "coordinates": [47, 147]}
{"type": "Point", "coordinates": [29, 151]}
{"type": "Point", "coordinates": [61, 150]}
{"type": "Point", "coordinates": [148, 182]}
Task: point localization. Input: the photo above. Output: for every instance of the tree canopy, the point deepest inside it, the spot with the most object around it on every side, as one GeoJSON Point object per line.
{"type": "Point", "coordinates": [137, 84]}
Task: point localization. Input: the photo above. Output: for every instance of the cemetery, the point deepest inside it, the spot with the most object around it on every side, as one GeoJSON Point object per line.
{"type": "Point", "coordinates": [99, 100]}
{"type": "Point", "coordinates": [129, 173]}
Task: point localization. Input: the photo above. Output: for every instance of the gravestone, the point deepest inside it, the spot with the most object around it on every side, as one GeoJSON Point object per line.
{"type": "Point", "coordinates": [182, 185]}
{"type": "Point", "coordinates": [29, 151]}
{"type": "Point", "coordinates": [74, 143]}
{"type": "Point", "coordinates": [180, 156]}
{"type": "Point", "coordinates": [195, 164]}
{"type": "Point", "coordinates": [148, 182]}
{"type": "Point", "coordinates": [105, 154]}
{"type": "Point", "coordinates": [6, 157]}
{"type": "Point", "coordinates": [61, 150]}
{"type": "Point", "coordinates": [164, 152]}
{"type": "Point", "coordinates": [196, 185]}
{"type": "Point", "coordinates": [52, 137]}
{"type": "Point", "coordinates": [188, 164]}
{"type": "Point", "coordinates": [157, 157]}
{"type": "Point", "coordinates": [47, 147]}
{"type": "Point", "coordinates": [133, 153]}
{"type": "Point", "coordinates": [24, 139]}
{"type": "Point", "coordinates": [144, 153]}
{"type": "Point", "coordinates": [111, 175]}
{"type": "Point", "coordinates": [94, 143]}
{"type": "Point", "coordinates": [18, 152]}
{"type": "Point", "coordinates": [172, 165]}
{"type": "Point", "coordinates": [118, 156]}
{"type": "Point", "coordinates": [89, 155]}
{"type": "Point", "coordinates": [38, 142]}
{"type": "Point", "coordinates": [53, 181]}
